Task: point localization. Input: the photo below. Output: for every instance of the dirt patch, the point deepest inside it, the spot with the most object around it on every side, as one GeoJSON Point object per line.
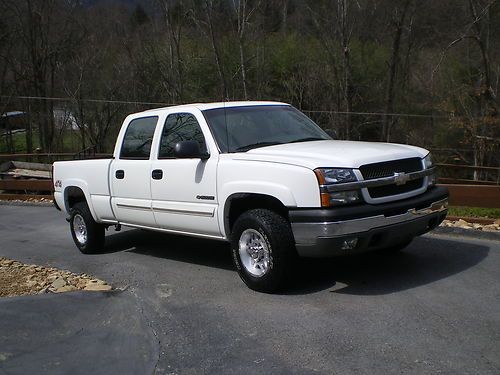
{"type": "Point", "coordinates": [18, 279]}
{"type": "Point", "coordinates": [494, 227]}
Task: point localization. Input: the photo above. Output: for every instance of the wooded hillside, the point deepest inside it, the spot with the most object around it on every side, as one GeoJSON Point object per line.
{"type": "Point", "coordinates": [414, 71]}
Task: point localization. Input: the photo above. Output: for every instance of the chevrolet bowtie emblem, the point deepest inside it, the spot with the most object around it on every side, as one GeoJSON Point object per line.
{"type": "Point", "coordinates": [401, 178]}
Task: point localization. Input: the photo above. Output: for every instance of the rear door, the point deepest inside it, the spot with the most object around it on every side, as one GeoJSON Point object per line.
{"type": "Point", "coordinates": [183, 191]}
{"type": "Point", "coordinates": [130, 174]}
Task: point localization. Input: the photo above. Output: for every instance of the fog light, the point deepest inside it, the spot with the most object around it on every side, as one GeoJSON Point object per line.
{"type": "Point", "coordinates": [432, 180]}
{"type": "Point", "coordinates": [344, 197]}
{"type": "Point", "coordinates": [349, 244]}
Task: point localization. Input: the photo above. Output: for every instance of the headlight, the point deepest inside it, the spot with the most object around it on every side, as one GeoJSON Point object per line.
{"type": "Point", "coordinates": [431, 180]}
{"type": "Point", "coordinates": [327, 176]}
{"type": "Point", "coordinates": [334, 176]}
{"type": "Point", "coordinates": [428, 161]}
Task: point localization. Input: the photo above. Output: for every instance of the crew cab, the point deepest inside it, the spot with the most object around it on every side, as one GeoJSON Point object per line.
{"type": "Point", "coordinates": [260, 175]}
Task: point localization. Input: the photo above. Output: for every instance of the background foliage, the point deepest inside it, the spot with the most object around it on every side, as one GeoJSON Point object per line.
{"type": "Point", "coordinates": [414, 71]}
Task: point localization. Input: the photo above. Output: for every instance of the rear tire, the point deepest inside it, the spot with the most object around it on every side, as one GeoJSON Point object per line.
{"type": "Point", "coordinates": [263, 249]}
{"type": "Point", "coordinates": [87, 234]}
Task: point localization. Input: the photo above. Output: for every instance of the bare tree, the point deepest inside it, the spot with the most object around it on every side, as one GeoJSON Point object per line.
{"type": "Point", "coordinates": [479, 103]}
{"type": "Point", "coordinates": [243, 16]}
{"type": "Point", "coordinates": [204, 19]}
{"type": "Point", "coordinates": [344, 32]}
{"type": "Point", "coordinates": [398, 23]}
{"type": "Point", "coordinates": [45, 33]}
{"type": "Point", "coordinates": [173, 12]}
{"type": "Point", "coordinates": [335, 35]}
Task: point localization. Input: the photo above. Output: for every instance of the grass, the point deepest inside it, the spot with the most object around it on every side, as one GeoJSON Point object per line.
{"type": "Point", "coordinates": [71, 142]}
{"type": "Point", "coordinates": [490, 213]}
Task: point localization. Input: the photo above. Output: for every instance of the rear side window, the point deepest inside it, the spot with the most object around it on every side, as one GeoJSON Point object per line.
{"type": "Point", "coordinates": [180, 127]}
{"type": "Point", "coordinates": [138, 138]}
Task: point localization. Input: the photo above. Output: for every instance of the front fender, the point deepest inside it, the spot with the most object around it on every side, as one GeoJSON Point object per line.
{"type": "Point", "coordinates": [278, 191]}
{"type": "Point", "coordinates": [281, 192]}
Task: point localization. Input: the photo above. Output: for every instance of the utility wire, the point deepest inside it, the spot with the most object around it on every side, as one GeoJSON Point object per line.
{"type": "Point", "coordinates": [377, 114]}
{"type": "Point", "coordinates": [172, 104]}
{"type": "Point", "coordinates": [84, 100]}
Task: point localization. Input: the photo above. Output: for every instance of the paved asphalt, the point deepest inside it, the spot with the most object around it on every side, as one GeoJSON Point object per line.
{"type": "Point", "coordinates": [434, 308]}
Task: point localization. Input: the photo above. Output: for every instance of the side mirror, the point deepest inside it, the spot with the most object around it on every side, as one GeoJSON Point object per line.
{"type": "Point", "coordinates": [189, 150]}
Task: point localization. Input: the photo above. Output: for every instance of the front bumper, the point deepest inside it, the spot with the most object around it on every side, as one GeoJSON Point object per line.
{"type": "Point", "coordinates": [322, 232]}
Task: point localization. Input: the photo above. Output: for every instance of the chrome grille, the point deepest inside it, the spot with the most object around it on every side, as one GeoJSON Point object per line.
{"type": "Point", "coordinates": [387, 169]}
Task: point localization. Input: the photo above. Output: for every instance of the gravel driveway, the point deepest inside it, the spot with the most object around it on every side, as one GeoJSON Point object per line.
{"type": "Point", "coordinates": [435, 308]}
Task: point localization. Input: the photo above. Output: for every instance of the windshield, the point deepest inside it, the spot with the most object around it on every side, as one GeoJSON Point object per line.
{"type": "Point", "coordinates": [261, 125]}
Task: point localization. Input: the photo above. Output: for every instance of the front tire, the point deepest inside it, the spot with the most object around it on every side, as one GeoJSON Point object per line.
{"type": "Point", "coordinates": [87, 234]}
{"type": "Point", "coordinates": [263, 248]}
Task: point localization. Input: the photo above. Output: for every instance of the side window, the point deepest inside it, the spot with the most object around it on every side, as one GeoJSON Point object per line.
{"type": "Point", "coordinates": [138, 138]}
{"type": "Point", "coordinates": [180, 127]}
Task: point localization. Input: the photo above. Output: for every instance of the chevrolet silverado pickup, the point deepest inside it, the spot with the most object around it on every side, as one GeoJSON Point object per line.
{"type": "Point", "coordinates": [260, 175]}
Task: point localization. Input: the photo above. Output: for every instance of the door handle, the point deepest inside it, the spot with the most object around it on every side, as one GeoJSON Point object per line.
{"type": "Point", "coordinates": [157, 174]}
{"type": "Point", "coordinates": [120, 174]}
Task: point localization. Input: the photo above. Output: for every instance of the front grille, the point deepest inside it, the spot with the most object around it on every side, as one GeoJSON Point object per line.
{"type": "Point", "coordinates": [387, 169]}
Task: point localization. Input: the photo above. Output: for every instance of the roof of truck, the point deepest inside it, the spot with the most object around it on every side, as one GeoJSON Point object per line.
{"type": "Point", "coordinates": [206, 106]}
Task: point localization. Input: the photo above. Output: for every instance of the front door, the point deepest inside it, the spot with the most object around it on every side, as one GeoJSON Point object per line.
{"type": "Point", "coordinates": [183, 191]}
{"type": "Point", "coordinates": [130, 174]}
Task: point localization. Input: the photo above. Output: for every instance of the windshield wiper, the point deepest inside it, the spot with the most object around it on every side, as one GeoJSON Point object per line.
{"type": "Point", "coordinates": [308, 139]}
{"type": "Point", "coordinates": [255, 145]}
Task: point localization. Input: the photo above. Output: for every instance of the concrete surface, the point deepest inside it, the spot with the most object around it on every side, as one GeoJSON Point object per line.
{"type": "Point", "coordinates": [75, 333]}
{"type": "Point", "coordinates": [435, 308]}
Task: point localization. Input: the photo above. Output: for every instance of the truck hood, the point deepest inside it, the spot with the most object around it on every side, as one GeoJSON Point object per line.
{"type": "Point", "coordinates": [332, 153]}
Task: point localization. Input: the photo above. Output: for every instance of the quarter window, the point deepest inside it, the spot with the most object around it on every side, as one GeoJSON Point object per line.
{"type": "Point", "coordinates": [138, 138]}
{"type": "Point", "coordinates": [180, 127]}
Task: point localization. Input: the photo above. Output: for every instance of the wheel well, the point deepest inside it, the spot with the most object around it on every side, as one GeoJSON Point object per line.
{"type": "Point", "coordinates": [241, 202]}
{"type": "Point", "coordinates": [73, 195]}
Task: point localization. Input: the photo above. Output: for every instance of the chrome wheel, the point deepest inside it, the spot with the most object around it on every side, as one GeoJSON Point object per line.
{"type": "Point", "coordinates": [254, 252]}
{"type": "Point", "coordinates": [80, 229]}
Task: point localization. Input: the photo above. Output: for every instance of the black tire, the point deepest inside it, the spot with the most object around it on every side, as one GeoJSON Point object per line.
{"type": "Point", "coordinates": [277, 235]}
{"type": "Point", "coordinates": [94, 242]}
{"type": "Point", "coordinates": [397, 248]}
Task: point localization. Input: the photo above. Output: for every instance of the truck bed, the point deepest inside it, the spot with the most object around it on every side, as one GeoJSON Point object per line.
{"type": "Point", "coordinates": [92, 176]}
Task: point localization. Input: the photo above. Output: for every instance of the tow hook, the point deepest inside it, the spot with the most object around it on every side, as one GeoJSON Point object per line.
{"type": "Point", "coordinates": [118, 227]}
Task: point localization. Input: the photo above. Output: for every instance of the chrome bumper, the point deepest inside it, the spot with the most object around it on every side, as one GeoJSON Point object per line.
{"type": "Point", "coordinates": [326, 233]}
{"type": "Point", "coordinates": [307, 233]}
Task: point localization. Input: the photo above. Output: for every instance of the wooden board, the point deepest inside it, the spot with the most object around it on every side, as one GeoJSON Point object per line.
{"type": "Point", "coordinates": [474, 195]}
{"type": "Point", "coordinates": [29, 185]}
{"type": "Point", "coordinates": [27, 173]}
{"type": "Point", "coordinates": [462, 181]}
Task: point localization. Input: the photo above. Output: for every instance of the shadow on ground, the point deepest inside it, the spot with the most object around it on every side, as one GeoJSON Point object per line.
{"type": "Point", "coordinates": [204, 252]}
{"type": "Point", "coordinates": [426, 260]}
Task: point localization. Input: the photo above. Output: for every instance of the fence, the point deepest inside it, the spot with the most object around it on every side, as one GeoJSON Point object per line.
{"type": "Point", "coordinates": [474, 195]}
{"type": "Point", "coordinates": [460, 195]}
{"type": "Point", "coordinates": [26, 189]}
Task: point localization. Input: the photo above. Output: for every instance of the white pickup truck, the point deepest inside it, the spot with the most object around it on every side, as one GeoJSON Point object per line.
{"type": "Point", "coordinates": [260, 175]}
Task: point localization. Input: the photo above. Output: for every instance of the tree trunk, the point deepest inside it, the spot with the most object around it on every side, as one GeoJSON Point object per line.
{"type": "Point", "coordinates": [393, 67]}
{"type": "Point", "coordinates": [284, 16]}
{"type": "Point", "coordinates": [215, 50]}
{"type": "Point", "coordinates": [344, 34]}
{"type": "Point", "coordinates": [243, 70]}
